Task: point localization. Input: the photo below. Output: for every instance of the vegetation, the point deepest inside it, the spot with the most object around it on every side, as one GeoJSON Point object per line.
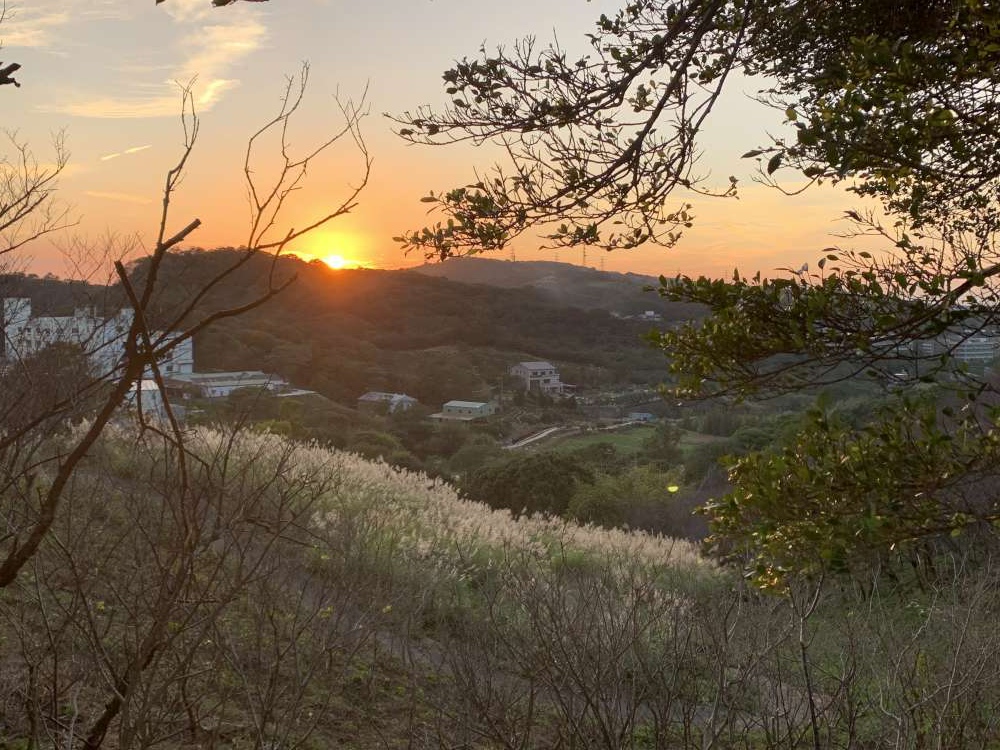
{"type": "Point", "coordinates": [298, 596]}
{"type": "Point", "coordinates": [895, 103]}
{"type": "Point", "coordinates": [567, 285]}
{"type": "Point", "coordinates": [231, 587]}
{"type": "Point", "coordinates": [346, 332]}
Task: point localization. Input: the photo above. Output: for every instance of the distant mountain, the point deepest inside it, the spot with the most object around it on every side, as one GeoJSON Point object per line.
{"type": "Point", "coordinates": [566, 284]}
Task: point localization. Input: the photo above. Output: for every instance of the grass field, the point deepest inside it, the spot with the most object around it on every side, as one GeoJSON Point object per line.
{"type": "Point", "coordinates": [627, 440]}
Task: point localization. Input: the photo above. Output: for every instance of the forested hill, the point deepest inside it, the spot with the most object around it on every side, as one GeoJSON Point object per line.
{"type": "Point", "coordinates": [348, 331]}
{"type": "Point", "coordinates": [566, 284]}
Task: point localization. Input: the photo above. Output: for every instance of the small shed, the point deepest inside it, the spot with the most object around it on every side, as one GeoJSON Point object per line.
{"type": "Point", "coordinates": [378, 402]}
{"type": "Point", "coordinates": [465, 411]}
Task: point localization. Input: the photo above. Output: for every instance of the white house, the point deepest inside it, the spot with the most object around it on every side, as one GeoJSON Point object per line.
{"type": "Point", "coordinates": [542, 377]}
{"type": "Point", "coordinates": [640, 416]}
{"type": "Point", "coordinates": [382, 403]}
{"type": "Point", "coordinates": [464, 411]}
{"type": "Point", "coordinates": [221, 384]}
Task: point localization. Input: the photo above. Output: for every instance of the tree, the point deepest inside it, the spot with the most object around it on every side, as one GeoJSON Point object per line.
{"type": "Point", "coordinates": [895, 102]}
{"type": "Point", "coordinates": [894, 97]}
{"type": "Point", "coordinates": [142, 348]}
{"type": "Point", "coordinates": [542, 483]}
{"type": "Point", "coordinates": [28, 206]}
{"type": "Point", "coordinates": [640, 497]}
{"type": "Point", "coordinates": [200, 545]}
{"type": "Point", "coordinates": [662, 448]}
{"type": "Point", "coordinates": [45, 387]}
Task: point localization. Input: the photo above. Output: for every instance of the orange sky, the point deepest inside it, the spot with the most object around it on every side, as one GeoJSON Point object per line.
{"type": "Point", "coordinates": [105, 71]}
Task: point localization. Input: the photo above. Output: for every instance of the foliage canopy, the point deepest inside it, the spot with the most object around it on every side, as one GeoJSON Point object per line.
{"type": "Point", "coordinates": [898, 103]}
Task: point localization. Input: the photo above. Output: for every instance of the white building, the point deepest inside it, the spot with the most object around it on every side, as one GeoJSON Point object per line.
{"type": "Point", "coordinates": [146, 396]}
{"type": "Point", "coordinates": [542, 377]}
{"type": "Point", "coordinates": [180, 359]}
{"type": "Point", "coordinates": [971, 347]}
{"type": "Point", "coordinates": [221, 384]}
{"type": "Point", "coordinates": [464, 411]}
{"type": "Point", "coordinates": [385, 403]}
{"type": "Point", "coordinates": [103, 339]}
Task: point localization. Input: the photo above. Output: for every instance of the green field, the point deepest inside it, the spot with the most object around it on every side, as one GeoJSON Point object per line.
{"type": "Point", "coordinates": [627, 440]}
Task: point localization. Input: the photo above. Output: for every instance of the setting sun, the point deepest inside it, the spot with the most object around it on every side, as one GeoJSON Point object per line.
{"type": "Point", "coordinates": [338, 250]}
{"type": "Point", "coordinates": [338, 261]}
{"type": "Point", "coordinates": [335, 261]}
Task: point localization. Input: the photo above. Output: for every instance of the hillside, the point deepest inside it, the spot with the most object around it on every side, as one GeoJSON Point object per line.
{"type": "Point", "coordinates": [348, 331]}
{"type": "Point", "coordinates": [565, 284]}
{"type": "Point", "coordinates": [345, 332]}
{"type": "Point", "coordinates": [279, 595]}
{"type": "Point", "coordinates": [251, 590]}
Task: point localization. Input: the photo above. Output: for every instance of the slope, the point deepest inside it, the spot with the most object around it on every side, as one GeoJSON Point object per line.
{"type": "Point", "coordinates": [566, 284]}
{"type": "Point", "coordinates": [348, 331]}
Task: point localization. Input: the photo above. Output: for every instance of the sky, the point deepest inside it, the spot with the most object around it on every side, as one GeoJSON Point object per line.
{"type": "Point", "coordinates": [108, 73]}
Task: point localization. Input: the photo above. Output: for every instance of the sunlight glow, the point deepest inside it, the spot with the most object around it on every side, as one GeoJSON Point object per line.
{"type": "Point", "coordinates": [337, 249]}
{"type": "Point", "coordinates": [335, 261]}
{"type": "Point", "coordinates": [339, 261]}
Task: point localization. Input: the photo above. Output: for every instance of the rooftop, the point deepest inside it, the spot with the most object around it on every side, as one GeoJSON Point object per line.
{"type": "Point", "coordinates": [226, 378]}
{"type": "Point", "coordinates": [382, 396]}
{"type": "Point", "coordinates": [537, 365]}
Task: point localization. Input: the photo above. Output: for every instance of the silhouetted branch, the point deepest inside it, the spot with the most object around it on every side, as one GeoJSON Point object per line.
{"type": "Point", "coordinates": [7, 72]}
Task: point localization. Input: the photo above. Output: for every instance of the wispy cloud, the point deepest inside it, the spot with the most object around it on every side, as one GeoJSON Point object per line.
{"type": "Point", "coordinates": [119, 197]}
{"type": "Point", "coordinates": [39, 25]}
{"type": "Point", "coordinates": [186, 11]}
{"type": "Point", "coordinates": [204, 56]}
{"type": "Point", "coordinates": [133, 150]}
{"type": "Point", "coordinates": [32, 27]}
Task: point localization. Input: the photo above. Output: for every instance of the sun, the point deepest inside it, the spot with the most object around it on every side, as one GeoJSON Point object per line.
{"type": "Point", "coordinates": [337, 262]}
{"type": "Point", "coordinates": [337, 250]}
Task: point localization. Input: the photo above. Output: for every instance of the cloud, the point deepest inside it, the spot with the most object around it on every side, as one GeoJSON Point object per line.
{"type": "Point", "coordinates": [43, 24]}
{"type": "Point", "coordinates": [114, 108]}
{"type": "Point", "coordinates": [185, 11]}
{"type": "Point", "coordinates": [204, 56]}
{"type": "Point", "coordinates": [133, 150]}
{"type": "Point", "coordinates": [32, 27]}
{"type": "Point", "coordinates": [120, 197]}
{"type": "Point", "coordinates": [71, 169]}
